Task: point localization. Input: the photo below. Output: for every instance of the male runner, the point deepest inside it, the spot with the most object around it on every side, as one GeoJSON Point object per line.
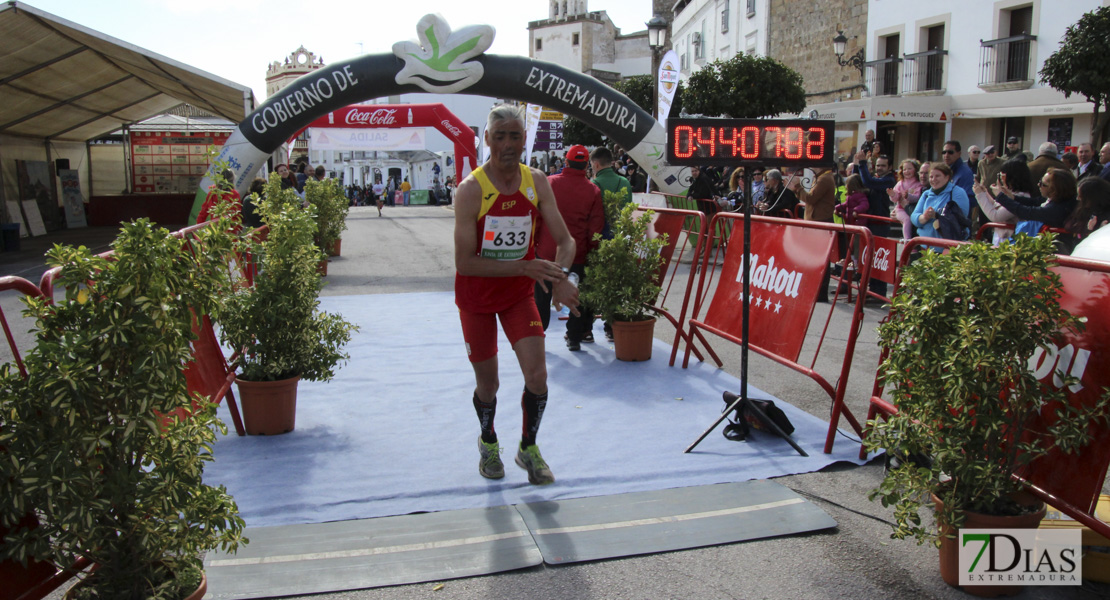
{"type": "Point", "coordinates": [496, 209]}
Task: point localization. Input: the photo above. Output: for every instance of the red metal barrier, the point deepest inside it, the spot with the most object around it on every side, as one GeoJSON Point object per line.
{"type": "Point", "coordinates": [788, 260]}
{"type": "Point", "coordinates": [991, 227]}
{"type": "Point", "coordinates": [673, 222]}
{"type": "Point", "coordinates": [21, 285]}
{"type": "Point", "coordinates": [1070, 483]}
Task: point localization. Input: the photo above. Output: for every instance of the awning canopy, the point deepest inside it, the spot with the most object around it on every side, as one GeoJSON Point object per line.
{"type": "Point", "coordinates": [62, 81]}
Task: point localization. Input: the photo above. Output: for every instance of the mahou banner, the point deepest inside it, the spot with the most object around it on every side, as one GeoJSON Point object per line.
{"type": "Point", "coordinates": [786, 268]}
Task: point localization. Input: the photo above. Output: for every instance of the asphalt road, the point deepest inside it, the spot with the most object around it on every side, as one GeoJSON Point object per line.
{"type": "Point", "coordinates": [410, 250]}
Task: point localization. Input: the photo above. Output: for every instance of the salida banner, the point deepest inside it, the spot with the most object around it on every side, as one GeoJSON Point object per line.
{"type": "Point", "coordinates": [361, 139]}
{"type": "Point", "coordinates": [786, 268]}
{"type": "Point", "coordinates": [443, 61]}
{"type": "Point", "coordinates": [392, 127]}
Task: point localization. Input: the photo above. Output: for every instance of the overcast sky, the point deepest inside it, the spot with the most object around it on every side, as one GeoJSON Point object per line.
{"type": "Point", "coordinates": [237, 39]}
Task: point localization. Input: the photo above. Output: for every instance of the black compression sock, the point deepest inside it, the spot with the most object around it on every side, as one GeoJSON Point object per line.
{"type": "Point", "coordinates": [532, 405]}
{"type": "Point", "coordinates": [486, 413]}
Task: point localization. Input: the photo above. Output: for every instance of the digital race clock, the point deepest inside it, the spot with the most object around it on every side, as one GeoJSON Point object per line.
{"type": "Point", "coordinates": [794, 142]}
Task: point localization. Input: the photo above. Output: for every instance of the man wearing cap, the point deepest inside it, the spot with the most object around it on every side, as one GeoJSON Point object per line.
{"type": "Point", "coordinates": [1046, 159]}
{"type": "Point", "coordinates": [990, 165]}
{"type": "Point", "coordinates": [1013, 150]}
{"type": "Point", "coordinates": [579, 203]}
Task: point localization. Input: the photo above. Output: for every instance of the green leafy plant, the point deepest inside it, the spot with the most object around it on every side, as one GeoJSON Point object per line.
{"type": "Point", "coordinates": [86, 443]}
{"type": "Point", "coordinates": [960, 335]}
{"type": "Point", "coordinates": [1077, 68]}
{"type": "Point", "coordinates": [276, 324]}
{"type": "Point", "coordinates": [621, 274]}
{"type": "Point", "coordinates": [738, 88]}
{"type": "Point", "coordinates": [331, 210]}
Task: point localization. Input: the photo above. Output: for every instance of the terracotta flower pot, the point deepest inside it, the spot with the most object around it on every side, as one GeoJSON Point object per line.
{"type": "Point", "coordinates": [16, 576]}
{"type": "Point", "coordinates": [322, 268]}
{"type": "Point", "coordinates": [269, 407]}
{"type": "Point", "coordinates": [335, 248]}
{"type": "Point", "coordinates": [950, 548]}
{"type": "Point", "coordinates": [632, 340]}
{"type": "Point", "coordinates": [197, 595]}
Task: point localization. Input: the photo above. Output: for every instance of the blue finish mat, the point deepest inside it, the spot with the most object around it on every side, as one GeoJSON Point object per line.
{"type": "Point", "coordinates": [395, 431]}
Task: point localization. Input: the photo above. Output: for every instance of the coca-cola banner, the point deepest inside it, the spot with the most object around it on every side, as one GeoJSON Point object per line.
{"type": "Point", "coordinates": [444, 61]}
{"type": "Point", "coordinates": [367, 139]}
{"type": "Point", "coordinates": [786, 268]}
{"type": "Point", "coordinates": [885, 265]}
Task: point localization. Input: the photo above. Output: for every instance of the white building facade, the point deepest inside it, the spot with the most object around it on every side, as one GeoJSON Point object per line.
{"type": "Point", "coordinates": [587, 41]}
{"type": "Point", "coordinates": [707, 30]}
{"type": "Point", "coordinates": [968, 71]}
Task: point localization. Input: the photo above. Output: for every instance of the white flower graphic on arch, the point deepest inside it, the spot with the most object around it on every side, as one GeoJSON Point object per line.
{"type": "Point", "coordinates": [440, 61]}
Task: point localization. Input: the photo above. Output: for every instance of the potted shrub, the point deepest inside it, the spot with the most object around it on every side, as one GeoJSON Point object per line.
{"type": "Point", "coordinates": [331, 212]}
{"type": "Point", "coordinates": [960, 335]}
{"type": "Point", "coordinates": [275, 325]}
{"type": "Point", "coordinates": [86, 446]}
{"type": "Point", "coordinates": [621, 282]}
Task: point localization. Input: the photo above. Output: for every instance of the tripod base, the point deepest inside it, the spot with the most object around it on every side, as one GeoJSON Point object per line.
{"type": "Point", "coordinates": [744, 403]}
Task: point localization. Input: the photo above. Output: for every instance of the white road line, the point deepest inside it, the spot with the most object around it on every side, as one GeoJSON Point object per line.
{"type": "Point", "coordinates": [266, 560]}
{"type": "Point", "coordinates": [674, 519]}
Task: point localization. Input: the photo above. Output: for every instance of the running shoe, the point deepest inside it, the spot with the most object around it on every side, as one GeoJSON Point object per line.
{"type": "Point", "coordinates": [489, 463]}
{"type": "Point", "coordinates": [530, 460]}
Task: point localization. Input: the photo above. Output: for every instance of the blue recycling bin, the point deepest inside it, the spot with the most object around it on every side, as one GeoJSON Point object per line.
{"type": "Point", "coordinates": [9, 234]}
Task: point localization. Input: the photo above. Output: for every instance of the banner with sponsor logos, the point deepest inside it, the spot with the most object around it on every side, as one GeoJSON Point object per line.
{"type": "Point", "coordinates": [72, 199]}
{"type": "Point", "coordinates": [372, 119]}
{"type": "Point", "coordinates": [668, 83]}
{"type": "Point", "coordinates": [367, 139]}
{"type": "Point", "coordinates": [786, 268]}
{"type": "Point", "coordinates": [444, 60]}
{"type": "Point", "coordinates": [1085, 355]}
{"type": "Point", "coordinates": [165, 162]}
{"type": "Point", "coordinates": [532, 117]}
{"type": "Point", "coordinates": [884, 265]}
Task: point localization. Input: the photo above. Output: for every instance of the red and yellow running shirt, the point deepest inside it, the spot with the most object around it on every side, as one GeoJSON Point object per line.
{"type": "Point", "coordinates": [506, 229]}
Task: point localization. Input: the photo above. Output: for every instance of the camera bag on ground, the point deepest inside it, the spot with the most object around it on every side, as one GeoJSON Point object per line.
{"type": "Point", "coordinates": [744, 418]}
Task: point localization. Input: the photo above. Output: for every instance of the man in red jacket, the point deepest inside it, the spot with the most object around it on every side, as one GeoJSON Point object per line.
{"type": "Point", "coordinates": [579, 203]}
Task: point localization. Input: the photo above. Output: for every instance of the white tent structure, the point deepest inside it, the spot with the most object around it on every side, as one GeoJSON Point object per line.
{"type": "Point", "coordinates": [62, 84]}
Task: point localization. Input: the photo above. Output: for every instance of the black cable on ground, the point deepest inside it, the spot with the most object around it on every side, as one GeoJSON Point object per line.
{"type": "Point", "coordinates": [838, 505]}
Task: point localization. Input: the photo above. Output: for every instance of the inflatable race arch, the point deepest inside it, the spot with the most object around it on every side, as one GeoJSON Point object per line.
{"type": "Point", "coordinates": [442, 62]}
{"type": "Point", "coordinates": [392, 116]}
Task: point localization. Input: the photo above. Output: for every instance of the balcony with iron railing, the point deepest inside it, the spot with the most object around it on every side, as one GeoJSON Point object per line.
{"type": "Point", "coordinates": [1007, 63]}
{"type": "Point", "coordinates": [924, 73]}
{"type": "Point", "coordinates": [882, 76]}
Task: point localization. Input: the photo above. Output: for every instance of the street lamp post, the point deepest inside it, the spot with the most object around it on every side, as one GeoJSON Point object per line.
{"type": "Point", "coordinates": [856, 60]}
{"type": "Point", "coordinates": [657, 39]}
